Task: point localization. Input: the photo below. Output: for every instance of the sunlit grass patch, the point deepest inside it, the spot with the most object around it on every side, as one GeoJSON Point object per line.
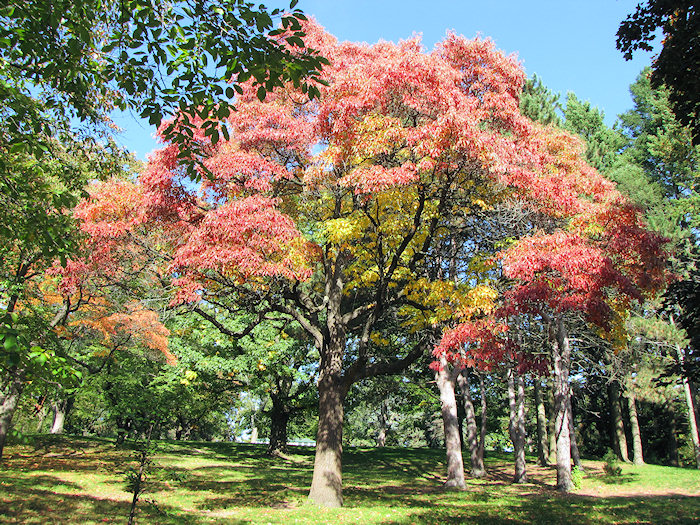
{"type": "Point", "coordinates": [82, 481]}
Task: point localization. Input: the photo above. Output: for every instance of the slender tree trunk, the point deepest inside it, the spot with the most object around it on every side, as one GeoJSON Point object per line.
{"type": "Point", "coordinates": [516, 395]}
{"type": "Point", "coordinates": [552, 455]}
{"type": "Point", "coordinates": [561, 351]}
{"type": "Point", "coordinates": [476, 452]}
{"type": "Point", "coordinates": [692, 418]}
{"type": "Point", "coordinates": [383, 418]}
{"type": "Point", "coordinates": [445, 378]}
{"type": "Point", "coordinates": [542, 450]}
{"type": "Point", "coordinates": [672, 441]}
{"type": "Point", "coordinates": [11, 391]}
{"type": "Point", "coordinates": [636, 433]}
{"type": "Point", "coordinates": [484, 416]}
{"type": "Point", "coordinates": [617, 422]}
{"type": "Point", "coordinates": [279, 421]}
{"type": "Point", "coordinates": [575, 456]}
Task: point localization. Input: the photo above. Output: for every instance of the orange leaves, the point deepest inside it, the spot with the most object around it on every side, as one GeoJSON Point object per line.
{"type": "Point", "coordinates": [138, 324]}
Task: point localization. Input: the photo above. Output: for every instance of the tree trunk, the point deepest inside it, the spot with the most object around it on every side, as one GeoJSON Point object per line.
{"type": "Point", "coordinates": [672, 441]}
{"type": "Point", "coordinates": [476, 452]}
{"type": "Point", "coordinates": [445, 379]}
{"type": "Point", "coordinates": [636, 433]}
{"type": "Point", "coordinates": [561, 353]}
{"type": "Point", "coordinates": [692, 419]}
{"type": "Point", "coordinates": [279, 420]}
{"type": "Point", "coordinates": [484, 417]}
{"type": "Point", "coordinates": [552, 455]}
{"type": "Point", "coordinates": [542, 450]}
{"type": "Point", "coordinates": [60, 411]}
{"type": "Point", "coordinates": [617, 422]}
{"type": "Point", "coordinates": [381, 435]}
{"type": "Point", "coordinates": [575, 456]}
{"type": "Point", "coordinates": [327, 481]}
{"type": "Point", "coordinates": [516, 394]}
{"type": "Point", "coordinates": [11, 391]}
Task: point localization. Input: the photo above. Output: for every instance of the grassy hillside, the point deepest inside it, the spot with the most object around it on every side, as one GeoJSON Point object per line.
{"type": "Point", "coordinates": [78, 480]}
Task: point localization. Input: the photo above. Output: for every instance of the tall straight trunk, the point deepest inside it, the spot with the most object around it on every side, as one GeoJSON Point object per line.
{"type": "Point", "coordinates": [551, 422]}
{"type": "Point", "coordinates": [692, 417]}
{"type": "Point", "coordinates": [542, 445]}
{"type": "Point", "coordinates": [617, 422]}
{"type": "Point", "coordinates": [561, 353]}
{"type": "Point", "coordinates": [445, 378]}
{"type": "Point", "coordinates": [327, 482]}
{"type": "Point", "coordinates": [575, 455]}
{"type": "Point", "coordinates": [383, 417]}
{"type": "Point", "coordinates": [11, 391]}
{"type": "Point", "coordinates": [516, 393]}
{"type": "Point", "coordinates": [476, 452]}
{"type": "Point", "coordinates": [484, 416]}
{"type": "Point", "coordinates": [636, 433]}
{"type": "Point", "coordinates": [672, 441]}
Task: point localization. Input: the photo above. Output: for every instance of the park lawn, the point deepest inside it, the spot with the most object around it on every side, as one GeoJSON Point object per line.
{"type": "Point", "coordinates": [82, 481]}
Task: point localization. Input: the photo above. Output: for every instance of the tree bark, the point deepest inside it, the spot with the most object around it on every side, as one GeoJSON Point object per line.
{"type": "Point", "coordinates": [575, 456]}
{"type": "Point", "coordinates": [476, 452]}
{"type": "Point", "coordinates": [484, 416]}
{"type": "Point", "coordinates": [11, 392]}
{"type": "Point", "coordinates": [673, 441]}
{"type": "Point", "coordinates": [445, 379]}
{"type": "Point", "coordinates": [617, 422]}
{"type": "Point", "coordinates": [542, 450]}
{"type": "Point", "coordinates": [692, 419]}
{"type": "Point", "coordinates": [636, 433]}
{"type": "Point", "coordinates": [327, 482]}
{"type": "Point", "coordinates": [516, 394]}
{"type": "Point", "coordinates": [381, 435]}
{"type": "Point", "coordinates": [279, 420]}
{"type": "Point", "coordinates": [552, 455]}
{"type": "Point", "coordinates": [60, 411]}
{"type": "Point", "coordinates": [561, 353]}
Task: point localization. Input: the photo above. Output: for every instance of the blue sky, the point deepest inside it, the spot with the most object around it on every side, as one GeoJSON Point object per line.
{"type": "Point", "coordinates": [569, 44]}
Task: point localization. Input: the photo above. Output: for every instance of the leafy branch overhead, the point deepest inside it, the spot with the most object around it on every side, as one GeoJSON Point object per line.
{"type": "Point", "coordinates": [157, 58]}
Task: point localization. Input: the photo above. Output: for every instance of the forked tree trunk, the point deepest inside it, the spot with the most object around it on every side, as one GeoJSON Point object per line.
{"type": "Point", "coordinates": [516, 393]}
{"type": "Point", "coordinates": [561, 354]}
{"type": "Point", "coordinates": [575, 455]}
{"type": "Point", "coordinates": [60, 411]}
{"type": "Point", "coordinates": [542, 444]}
{"type": "Point", "coordinates": [636, 432]}
{"type": "Point", "coordinates": [617, 422]}
{"type": "Point", "coordinates": [476, 452]}
{"type": "Point", "coordinates": [9, 397]}
{"type": "Point", "coordinates": [445, 379]}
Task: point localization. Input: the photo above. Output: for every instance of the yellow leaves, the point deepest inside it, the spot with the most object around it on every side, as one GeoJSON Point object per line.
{"type": "Point", "coordinates": [342, 230]}
{"type": "Point", "coordinates": [188, 376]}
{"type": "Point", "coordinates": [480, 300]}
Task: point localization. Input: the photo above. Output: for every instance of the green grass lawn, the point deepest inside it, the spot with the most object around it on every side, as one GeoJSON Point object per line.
{"type": "Point", "coordinates": [82, 481]}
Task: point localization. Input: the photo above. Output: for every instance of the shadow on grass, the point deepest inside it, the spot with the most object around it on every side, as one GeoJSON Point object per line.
{"type": "Point", "coordinates": [29, 505]}
{"type": "Point", "coordinates": [566, 510]}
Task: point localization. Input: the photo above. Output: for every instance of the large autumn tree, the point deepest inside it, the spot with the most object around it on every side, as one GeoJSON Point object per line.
{"type": "Point", "coordinates": [339, 213]}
